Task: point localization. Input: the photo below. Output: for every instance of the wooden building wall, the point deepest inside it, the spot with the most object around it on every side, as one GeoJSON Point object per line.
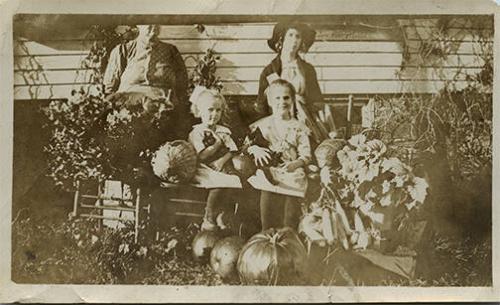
{"type": "Point", "coordinates": [361, 56]}
{"type": "Point", "coordinates": [356, 58]}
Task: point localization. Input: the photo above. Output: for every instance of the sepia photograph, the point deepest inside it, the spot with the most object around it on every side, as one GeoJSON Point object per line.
{"type": "Point", "coordinates": [229, 151]}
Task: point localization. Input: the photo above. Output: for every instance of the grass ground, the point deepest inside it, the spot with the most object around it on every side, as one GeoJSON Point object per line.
{"type": "Point", "coordinates": [49, 248]}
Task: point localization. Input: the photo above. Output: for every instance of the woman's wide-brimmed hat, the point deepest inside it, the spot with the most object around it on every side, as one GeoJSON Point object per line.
{"type": "Point", "coordinates": [308, 34]}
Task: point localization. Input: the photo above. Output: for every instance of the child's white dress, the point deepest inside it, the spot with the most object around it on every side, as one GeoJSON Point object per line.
{"type": "Point", "coordinates": [205, 176]}
{"type": "Point", "coordinates": [221, 132]}
{"type": "Point", "coordinates": [291, 139]}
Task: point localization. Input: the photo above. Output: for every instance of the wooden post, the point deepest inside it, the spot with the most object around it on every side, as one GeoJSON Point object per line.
{"type": "Point", "coordinates": [100, 222]}
{"type": "Point", "coordinates": [137, 209]}
{"type": "Point", "coordinates": [349, 116]}
{"type": "Point", "coordinates": [76, 198]}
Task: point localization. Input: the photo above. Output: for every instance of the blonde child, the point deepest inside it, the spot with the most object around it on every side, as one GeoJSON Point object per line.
{"type": "Point", "coordinates": [289, 137]}
{"type": "Point", "coordinates": [215, 148]}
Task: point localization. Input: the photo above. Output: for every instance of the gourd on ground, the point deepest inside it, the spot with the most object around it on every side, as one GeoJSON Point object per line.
{"type": "Point", "coordinates": [224, 256]}
{"type": "Point", "coordinates": [203, 243]}
{"type": "Point", "coordinates": [272, 257]}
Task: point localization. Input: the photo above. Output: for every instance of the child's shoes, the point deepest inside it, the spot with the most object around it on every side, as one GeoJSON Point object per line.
{"type": "Point", "coordinates": [208, 225]}
{"type": "Point", "coordinates": [222, 223]}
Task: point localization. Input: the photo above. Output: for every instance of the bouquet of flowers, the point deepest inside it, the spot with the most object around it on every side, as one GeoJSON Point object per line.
{"type": "Point", "coordinates": [353, 208]}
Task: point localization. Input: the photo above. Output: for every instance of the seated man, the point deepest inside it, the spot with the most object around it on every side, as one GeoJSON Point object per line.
{"type": "Point", "coordinates": [151, 73]}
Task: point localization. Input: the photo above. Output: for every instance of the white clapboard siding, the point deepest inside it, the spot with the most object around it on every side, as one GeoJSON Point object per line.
{"type": "Point", "coordinates": [63, 61]}
{"type": "Point", "coordinates": [262, 31]}
{"type": "Point", "coordinates": [33, 77]}
{"type": "Point", "coordinates": [347, 59]}
{"type": "Point", "coordinates": [349, 86]}
{"type": "Point", "coordinates": [251, 87]}
{"type": "Point", "coordinates": [466, 35]}
{"type": "Point", "coordinates": [194, 46]}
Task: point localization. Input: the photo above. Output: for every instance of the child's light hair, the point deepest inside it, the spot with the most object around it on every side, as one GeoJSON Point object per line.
{"type": "Point", "coordinates": [211, 93]}
{"type": "Point", "coordinates": [285, 84]}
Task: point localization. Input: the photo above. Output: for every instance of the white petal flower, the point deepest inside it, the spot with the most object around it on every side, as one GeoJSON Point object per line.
{"type": "Point", "coordinates": [143, 251]}
{"type": "Point", "coordinates": [171, 245]}
{"type": "Point", "coordinates": [386, 187]}
{"type": "Point", "coordinates": [325, 175]}
{"type": "Point", "coordinates": [411, 205]}
{"type": "Point", "coordinates": [386, 200]}
{"type": "Point", "coordinates": [395, 166]}
{"type": "Point", "coordinates": [399, 180]}
{"type": "Point", "coordinates": [357, 140]}
{"type": "Point", "coordinates": [123, 248]}
{"type": "Point", "coordinates": [418, 191]}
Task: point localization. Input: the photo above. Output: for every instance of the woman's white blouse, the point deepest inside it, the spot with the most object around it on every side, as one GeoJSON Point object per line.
{"type": "Point", "coordinates": [291, 73]}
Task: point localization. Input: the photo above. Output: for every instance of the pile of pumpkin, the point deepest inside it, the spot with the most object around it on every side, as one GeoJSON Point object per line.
{"type": "Point", "coordinates": [271, 257]}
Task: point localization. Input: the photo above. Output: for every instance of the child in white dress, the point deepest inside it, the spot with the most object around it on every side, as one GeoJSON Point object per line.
{"type": "Point", "coordinates": [289, 137]}
{"type": "Point", "coordinates": [215, 148]}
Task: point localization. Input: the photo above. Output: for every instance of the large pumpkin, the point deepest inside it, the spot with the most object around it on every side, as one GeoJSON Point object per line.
{"type": "Point", "coordinates": [203, 244]}
{"type": "Point", "coordinates": [326, 152]}
{"type": "Point", "coordinates": [175, 162]}
{"type": "Point", "coordinates": [224, 256]}
{"type": "Point", "coordinates": [272, 257]}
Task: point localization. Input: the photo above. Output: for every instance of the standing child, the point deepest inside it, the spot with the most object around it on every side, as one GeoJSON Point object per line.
{"type": "Point", "coordinates": [215, 148]}
{"type": "Point", "coordinates": [290, 138]}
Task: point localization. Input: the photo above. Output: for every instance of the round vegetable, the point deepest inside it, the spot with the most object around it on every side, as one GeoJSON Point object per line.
{"type": "Point", "coordinates": [203, 244]}
{"type": "Point", "coordinates": [175, 162]}
{"type": "Point", "coordinates": [272, 257]}
{"type": "Point", "coordinates": [244, 165]}
{"type": "Point", "coordinates": [224, 256]}
{"type": "Point", "coordinates": [326, 152]}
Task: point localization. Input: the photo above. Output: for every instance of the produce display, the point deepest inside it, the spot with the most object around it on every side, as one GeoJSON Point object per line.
{"type": "Point", "coordinates": [353, 208]}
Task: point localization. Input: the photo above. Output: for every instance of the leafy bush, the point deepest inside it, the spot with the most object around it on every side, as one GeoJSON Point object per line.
{"type": "Point", "coordinates": [204, 71]}
{"type": "Point", "coordinates": [455, 122]}
{"type": "Point", "coordinates": [98, 137]}
{"type": "Point", "coordinates": [447, 136]}
{"type": "Point", "coordinates": [72, 154]}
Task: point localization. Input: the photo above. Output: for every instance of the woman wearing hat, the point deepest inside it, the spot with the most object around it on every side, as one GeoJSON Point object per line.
{"type": "Point", "coordinates": [288, 40]}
